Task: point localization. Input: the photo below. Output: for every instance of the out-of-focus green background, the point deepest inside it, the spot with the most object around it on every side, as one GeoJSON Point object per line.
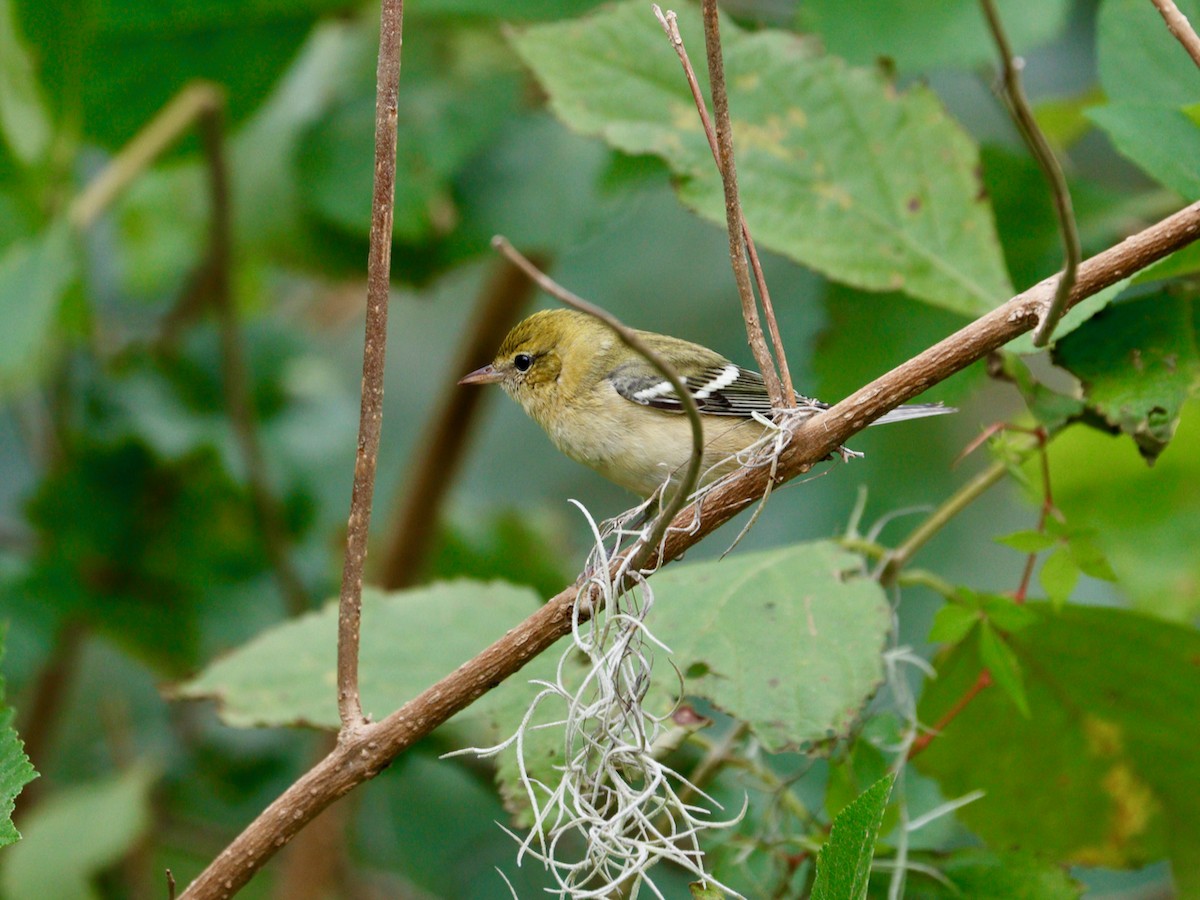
{"type": "Point", "coordinates": [131, 552]}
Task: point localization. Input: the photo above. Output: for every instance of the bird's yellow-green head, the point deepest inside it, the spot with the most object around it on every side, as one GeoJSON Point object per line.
{"type": "Point", "coordinates": [546, 359]}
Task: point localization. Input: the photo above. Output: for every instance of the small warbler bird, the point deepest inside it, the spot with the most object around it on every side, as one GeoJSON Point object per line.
{"type": "Point", "coordinates": [604, 405]}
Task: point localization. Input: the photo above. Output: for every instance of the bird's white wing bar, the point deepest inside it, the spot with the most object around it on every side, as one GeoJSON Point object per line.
{"type": "Point", "coordinates": [719, 390]}
{"type": "Point", "coordinates": [730, 390]}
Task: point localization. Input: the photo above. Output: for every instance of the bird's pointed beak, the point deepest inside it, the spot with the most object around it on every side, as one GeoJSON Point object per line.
{"type": "Point", "coordinates": [487, 375]}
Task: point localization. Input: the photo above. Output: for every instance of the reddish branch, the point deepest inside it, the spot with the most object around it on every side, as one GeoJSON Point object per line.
{"type": "Point", "coordinates": [1022, 591]}
{"type": "Point", "coordinates": [364, 751]}
{"type": "Point", "coordinates": [985, 677]}
{"type": "Point", "coordinates": [370, 422]}
{"type": "Point", "coordinates": [982, 681]}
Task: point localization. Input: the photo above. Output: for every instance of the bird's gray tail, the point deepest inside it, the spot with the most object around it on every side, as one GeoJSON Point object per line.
{"type": "Point", "coordinates": [914, 411]}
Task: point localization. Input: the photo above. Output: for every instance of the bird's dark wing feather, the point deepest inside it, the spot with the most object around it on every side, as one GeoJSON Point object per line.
{"type": "Point", "coordinates": [722, 389]}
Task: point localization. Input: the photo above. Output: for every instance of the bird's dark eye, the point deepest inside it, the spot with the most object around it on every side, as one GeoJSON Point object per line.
{"type": "Point", "coordinates": [522, 361]}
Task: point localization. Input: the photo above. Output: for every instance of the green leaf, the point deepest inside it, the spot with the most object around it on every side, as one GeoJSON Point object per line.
{"type": "Point", "coordinates": [844, 863]}
{"type": "Point", "coordinates": [504, 190]}
{"type": "Point", "coordinates": [1028, 541]}
{"type": "Point", "coordinates": [1149, 77]}
{"type": "Point", "coordinates": [1007, 614]}
{"type": "Point", "coordinates": [1139, 60]}
{"type": "Point", "coordinates": [952, 623]}
{"type": "Point", "coordinates": [921, 35]}
{"type": "Point", "coordinates": [23, 119]}
{"type": "Point", "coordinates": [1051, 408]}
{"type": "Point", "coordinates": [1138, 362]}
{"type": "Point", "coordinates": [1059, 575]}
{"type": "Point", "coordinates": [521, 548]}
{"type": "Point", "coordinates": [34, 277]}
{"type": "Point", "coordinates": [74, 834]}
{"type": "Point", "coordinates": [1063, 119]}
{"type": "Point", "coordinates": [1003, 665]}
{"type": "Point", "coordinates": [410, 639]}
{"type": "Point", "coordinates": [1161, 140]}
{"type": "Point", "coordinates": [77, 42]}
{"type": "Point", "coordinates": [1145, 520]}
{"type": "Point", "coordinates": [865, 334]}
{"type": "Point", "coordinates": [1076, 316]}
{"type": "Point", "coordinates": [450, 108]}
{"type": "Point", "coordinates": [1090, 558]}
{"type": "Point", "coordinates": [837, 170]}
{"type": "Point", "coordinates": [1103, 771]}
{"type": "Point", "coordinates": [985, 875]}
{"type": "Point", "coordinates": [505, 708]}
{"type": "Point", "coordinates": [1030, 234]}
{"type": "Point", "coordinates": [141, 549]}
{"type": "Point", "coordinates": [1029, 225]}
{"type": "Point", "coordinates": [862, 763]}
{"type": "Point", "coordinates": [788, 641]}
{"type": "Point", "coordinates": [15, 769]}
{"type": "Point", "coordinates": [701, 891]}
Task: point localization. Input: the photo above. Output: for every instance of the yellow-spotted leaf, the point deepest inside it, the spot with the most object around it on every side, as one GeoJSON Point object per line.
{"type": "Point", "coordinates": [1103, 770]}
{"type": "Point", "coordinates": [839, 170]}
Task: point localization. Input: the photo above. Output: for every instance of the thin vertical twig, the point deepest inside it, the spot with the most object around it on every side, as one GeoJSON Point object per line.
{"type": "Point", "coordinates": [1178, 25]}
{"type": "Point", "coordinates": [733, 207]}
{"type": "Point", "coordinates": [370, 422]}
{"type": "Point", "coordinates": [235, 374]}
{"type": "Point", "coordinates": [1018, 106]}
{"type": "Point", "coordinates": [1044, 514]}
{"type": "Point", "coordinates": [670, 24]}
{"type": "Point", "coordinates": [440, 449]}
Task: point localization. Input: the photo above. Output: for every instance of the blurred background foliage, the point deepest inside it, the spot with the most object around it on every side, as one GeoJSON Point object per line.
{"type": "Point", "coordinates": [134, 551]}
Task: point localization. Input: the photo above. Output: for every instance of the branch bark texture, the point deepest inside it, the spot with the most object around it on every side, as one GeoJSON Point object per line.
{"type": "Point", "coordinates": [364, 751]}
{"type": "Point", "coordinates": [370, 422]}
